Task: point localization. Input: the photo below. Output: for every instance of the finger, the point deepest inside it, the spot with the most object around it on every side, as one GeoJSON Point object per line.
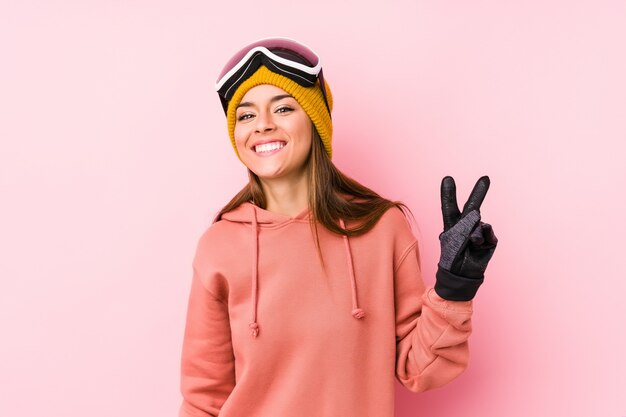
{"type": "Point", "coordinates": [449, 207]}
{"type": "Point", "coordinates": [488, 234]}
{"type": "Point", "coordinates": [477, 195]}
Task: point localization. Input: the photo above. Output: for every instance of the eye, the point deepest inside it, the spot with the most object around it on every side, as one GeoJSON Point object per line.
{"type": "Point", "coordinates": [284, 109]}
{"type": "Point", "coordinates": [244, 116]}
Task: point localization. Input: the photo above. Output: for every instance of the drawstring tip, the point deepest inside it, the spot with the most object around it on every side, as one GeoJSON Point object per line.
{"type": "Point", "coordinates": [358, 313]}
{"type": "Point", "coordinates": [255, 329]}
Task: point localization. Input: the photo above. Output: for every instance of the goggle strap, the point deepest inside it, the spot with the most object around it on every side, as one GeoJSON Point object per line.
{"type": "Point", "coordinates": [253, 63]}
{"type": "Point", "coordinates": [304, 81]}
{"type": "Point", "coordinates": [323, 87]}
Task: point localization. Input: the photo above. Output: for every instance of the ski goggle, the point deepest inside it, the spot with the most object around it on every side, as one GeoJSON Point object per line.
{"type": "Point", "coordinates": [280, 55]}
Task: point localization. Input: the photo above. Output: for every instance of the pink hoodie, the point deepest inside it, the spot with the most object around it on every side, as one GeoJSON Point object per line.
{"type": "Point", "coordinates": [269, 333]}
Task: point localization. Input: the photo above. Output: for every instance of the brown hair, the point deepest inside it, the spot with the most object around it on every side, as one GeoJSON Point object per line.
{"type": "Point", "coordinates": [332, 195]}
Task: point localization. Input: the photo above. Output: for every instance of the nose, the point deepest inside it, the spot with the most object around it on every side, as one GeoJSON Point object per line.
{"type": "Point", "coordinates": [264, 122]}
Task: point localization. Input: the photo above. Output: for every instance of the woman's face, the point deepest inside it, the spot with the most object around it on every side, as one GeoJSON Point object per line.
{"type": "Point", "coordinates": [273, 133]}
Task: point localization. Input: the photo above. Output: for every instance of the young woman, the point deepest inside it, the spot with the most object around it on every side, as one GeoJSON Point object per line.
{"type": "Point", "coordinates": [307, 298]}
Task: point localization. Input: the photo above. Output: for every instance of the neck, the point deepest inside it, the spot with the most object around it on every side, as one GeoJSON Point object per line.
{"type": "Point", "coordinates": [286, 195]}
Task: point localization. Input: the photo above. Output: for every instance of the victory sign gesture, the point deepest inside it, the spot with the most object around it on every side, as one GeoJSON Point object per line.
{"type": "Point", "coordinates": [467, 243]}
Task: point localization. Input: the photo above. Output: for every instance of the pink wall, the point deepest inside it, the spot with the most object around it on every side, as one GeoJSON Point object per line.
{"type": "Point", "coordinates": [114, 157]}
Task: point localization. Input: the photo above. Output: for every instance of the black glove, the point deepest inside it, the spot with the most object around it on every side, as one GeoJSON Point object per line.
{"type": "Point", "coordinates": [467, 243]}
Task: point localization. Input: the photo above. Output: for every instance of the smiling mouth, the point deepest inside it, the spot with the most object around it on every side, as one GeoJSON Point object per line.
{"type": "Point", "coordinates": [269, 147]}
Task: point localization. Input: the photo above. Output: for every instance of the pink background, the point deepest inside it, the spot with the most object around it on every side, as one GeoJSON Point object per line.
{"type": "Point", "coordinates": [114, 158]}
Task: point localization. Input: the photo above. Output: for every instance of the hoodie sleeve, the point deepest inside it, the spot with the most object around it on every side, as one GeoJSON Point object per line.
{"type": "Point", "coordinates": [208, 364]}
{"type": "Point", "coordinates": [431, 333]}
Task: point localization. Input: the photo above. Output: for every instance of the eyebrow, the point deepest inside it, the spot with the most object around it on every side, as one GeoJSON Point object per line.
{"type": "Point", "coordinates": [273, 99]}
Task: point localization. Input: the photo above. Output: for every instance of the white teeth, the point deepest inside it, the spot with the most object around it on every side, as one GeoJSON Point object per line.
{"type": "Point", "coordinates": [267, 147]}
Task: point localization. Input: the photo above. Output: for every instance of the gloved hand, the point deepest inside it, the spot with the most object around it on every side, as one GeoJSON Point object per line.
{"type": "Point", "coordinates": [467, 243]}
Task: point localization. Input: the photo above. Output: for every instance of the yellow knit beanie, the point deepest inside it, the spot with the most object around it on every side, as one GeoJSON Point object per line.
{"type": "Point", "coordinates": [310, 99]}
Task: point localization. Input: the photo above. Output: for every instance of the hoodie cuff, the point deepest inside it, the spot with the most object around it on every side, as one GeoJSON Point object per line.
{"type": "Point", "coordinates": [454, 287]}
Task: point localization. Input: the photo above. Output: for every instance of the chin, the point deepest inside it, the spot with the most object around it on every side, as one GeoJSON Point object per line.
{"type": "Point", "coordinates": [265, 174]}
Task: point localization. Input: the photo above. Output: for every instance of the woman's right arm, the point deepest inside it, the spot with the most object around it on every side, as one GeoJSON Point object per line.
{"type": "Point", "coordinates": [208, 363]}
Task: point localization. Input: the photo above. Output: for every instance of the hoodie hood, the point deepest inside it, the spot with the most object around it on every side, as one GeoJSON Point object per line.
{"type": "Point", "coordinates": [258, 217]}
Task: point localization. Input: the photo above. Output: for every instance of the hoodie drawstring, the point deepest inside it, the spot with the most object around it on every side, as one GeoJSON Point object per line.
{"type": "Point", "coordinates": [255, 260]}
{"type": "Point", "coordinates": [356, 311]}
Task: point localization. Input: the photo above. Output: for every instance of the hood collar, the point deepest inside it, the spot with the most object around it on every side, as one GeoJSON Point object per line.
{"type": "Point", "coordinates": [249, 213]}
